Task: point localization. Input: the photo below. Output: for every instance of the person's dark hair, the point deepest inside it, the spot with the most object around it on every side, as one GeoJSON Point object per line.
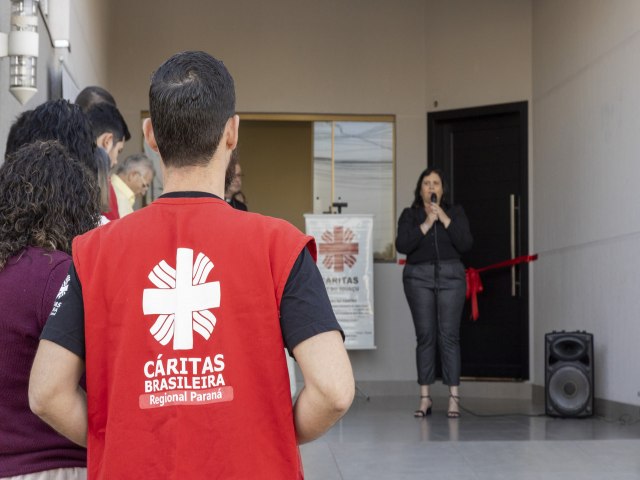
{"type": "Point", "coordinates": [105, 118]}
{"type": "Point", "coordinates": [93, 95]}
{"type": "Point", "coordinates": [103, 165]}
{"type": "Point", "coordinates": [191, 98]}
{"type": "Point", "coordinates": [46, 199]}
{"type": "Point", "coordinates": [240, 197]}
{"type": "Point", "coordinates": [55, 120]}
{"type": "Point", "coordinates": [417, 198]}
{"type": "Point", "coordinates": [13, 139]}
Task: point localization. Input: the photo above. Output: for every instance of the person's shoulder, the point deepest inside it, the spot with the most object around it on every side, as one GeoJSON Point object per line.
{"type": "Point", "coordinates": [237, 204]}
{"type": "Point", "coordinates": [271, 223]}
{"type": "Point", "coordinates": [408, 212]}
{"type": "Point", "coordinates": [52, 257]}
{"type": "Point", "coordinates": [39, 263]}
{"type": "Point", "coordinates": [100, 231]}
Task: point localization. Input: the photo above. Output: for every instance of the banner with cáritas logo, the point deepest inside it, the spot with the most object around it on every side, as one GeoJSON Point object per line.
{"type": "Point", "coordinates": [345, 261]}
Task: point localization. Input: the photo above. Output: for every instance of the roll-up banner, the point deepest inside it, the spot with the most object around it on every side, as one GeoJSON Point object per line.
{"type": "Point", "coordinates": [345, 261]}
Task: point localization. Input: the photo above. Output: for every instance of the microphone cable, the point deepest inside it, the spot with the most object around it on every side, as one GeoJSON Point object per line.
{"type": "Point", "coordinates": [436, 273]}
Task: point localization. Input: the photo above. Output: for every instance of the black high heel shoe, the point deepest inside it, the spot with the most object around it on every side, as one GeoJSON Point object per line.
{"type": "Point", "coordinates": [423, 413]}
{"type": "Point", "coordinates": [454, 413]}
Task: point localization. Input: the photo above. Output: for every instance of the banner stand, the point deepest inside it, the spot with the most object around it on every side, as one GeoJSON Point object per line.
{"type": "Point", "coordinates": [345, 262]}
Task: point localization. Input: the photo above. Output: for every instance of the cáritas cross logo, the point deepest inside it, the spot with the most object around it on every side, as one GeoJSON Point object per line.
{"type": "Point", "coordinates": [339, 248]}
{"type": "Point", "coordinates": [182, 300]}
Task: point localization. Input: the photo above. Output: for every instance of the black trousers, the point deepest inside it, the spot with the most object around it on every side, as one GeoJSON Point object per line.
{"type": "Point", "coordinates": [443, 324]}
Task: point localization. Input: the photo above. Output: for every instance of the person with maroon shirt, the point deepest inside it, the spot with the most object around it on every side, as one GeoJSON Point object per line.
{"type": "Point", "coordinates": [46, 199]}
{"type": "Point", "coordinates": [189, 304]}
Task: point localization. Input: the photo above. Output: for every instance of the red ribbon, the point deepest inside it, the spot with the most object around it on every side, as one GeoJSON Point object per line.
{"type": "Point", "coordinates": [474, 284]}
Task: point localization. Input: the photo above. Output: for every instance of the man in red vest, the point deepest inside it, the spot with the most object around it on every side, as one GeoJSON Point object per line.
{"type": "Point", "coordinates": [181, 310]}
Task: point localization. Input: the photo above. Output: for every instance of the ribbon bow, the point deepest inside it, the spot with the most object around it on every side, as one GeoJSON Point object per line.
{"type": "Point", "coordinates": [474, 283]}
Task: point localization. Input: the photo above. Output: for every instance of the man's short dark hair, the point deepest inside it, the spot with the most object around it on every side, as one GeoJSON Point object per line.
{"type": "Point", "coordinates": [55, 120]}
{"type": "Point", "coordinates": [94, 95]}
{"type": "Point", "coordinates": [191, 98]}
{"type": "Point", "coordinates": [105, 118]}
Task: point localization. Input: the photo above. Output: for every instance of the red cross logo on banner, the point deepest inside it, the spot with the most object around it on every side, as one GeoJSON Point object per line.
{"type": "Point", "coordinates": [339, 248]}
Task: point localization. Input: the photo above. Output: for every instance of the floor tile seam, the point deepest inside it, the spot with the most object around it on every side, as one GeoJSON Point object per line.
{"type": "Point", "coordinates": [335, 460]}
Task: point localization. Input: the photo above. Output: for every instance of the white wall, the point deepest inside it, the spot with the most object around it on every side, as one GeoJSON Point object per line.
{"type": "Point", "coordinates": [586, 220]}
{"type": "Point", "coordinates": [86, 61]}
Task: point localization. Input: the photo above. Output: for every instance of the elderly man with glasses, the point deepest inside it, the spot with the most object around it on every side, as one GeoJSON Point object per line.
{"type": "Point", "coordinates": [132, 179]}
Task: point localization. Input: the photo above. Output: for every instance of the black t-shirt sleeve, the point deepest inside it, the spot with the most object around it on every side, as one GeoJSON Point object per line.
{"type": "Point", "coordinates": [65, 325]}
{"type": "Point", "coordinates": [305, 309]}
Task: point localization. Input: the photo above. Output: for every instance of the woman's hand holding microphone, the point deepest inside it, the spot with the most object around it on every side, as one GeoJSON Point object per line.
{"type": "Point", "coordinates": [433, 209]}
{"type": "Point", "coordinates": [434, 213]}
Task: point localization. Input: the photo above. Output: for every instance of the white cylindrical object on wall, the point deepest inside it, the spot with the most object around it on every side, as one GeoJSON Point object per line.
{"type": "Point", "coordinates": [23, 49]}
{"type": "Point", "coordinates": [25, 22]}
{"type": "Point", "coordinates": [23, 94]}
{"type": "Point", "coordinates": [23, 43]}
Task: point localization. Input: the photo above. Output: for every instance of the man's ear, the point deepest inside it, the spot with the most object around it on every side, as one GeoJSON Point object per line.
{"type": "Point", "coordinates": [231, 130]}
{"type": "Point", "coordinates": [149, 136]}
{"type": "Point", "coordinates": [105, 141]}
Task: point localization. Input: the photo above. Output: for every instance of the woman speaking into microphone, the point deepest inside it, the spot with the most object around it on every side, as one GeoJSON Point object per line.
{"type": "Point", "coordinates": [433, 235]}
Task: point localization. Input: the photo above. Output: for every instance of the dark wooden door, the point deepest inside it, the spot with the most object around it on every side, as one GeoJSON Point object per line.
{"type": "Point", "coordinates": [483, 152]}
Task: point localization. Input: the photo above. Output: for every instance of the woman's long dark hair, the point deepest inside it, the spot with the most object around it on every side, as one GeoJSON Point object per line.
{"type": "Point", "coordinates": [46, 199]}
{"type": "Point", "coordinates": [417, 198]}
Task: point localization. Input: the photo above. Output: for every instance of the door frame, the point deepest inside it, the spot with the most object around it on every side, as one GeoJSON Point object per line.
{"type": "Point", "coordinates": [438, 138]}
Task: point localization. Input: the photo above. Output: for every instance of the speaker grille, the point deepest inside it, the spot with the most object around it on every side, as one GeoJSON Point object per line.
{"type": "Point", "coordinates": [569, 390]}
{"type": "Point", "coordinates": [566, 348]}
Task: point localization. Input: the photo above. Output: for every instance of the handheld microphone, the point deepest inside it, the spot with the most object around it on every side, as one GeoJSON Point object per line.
{"type": "Point", "coordinates": [434, 198]}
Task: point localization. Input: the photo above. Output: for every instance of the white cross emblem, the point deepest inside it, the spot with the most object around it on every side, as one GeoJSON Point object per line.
{"type": "Point", "coordinates": [182, 300]}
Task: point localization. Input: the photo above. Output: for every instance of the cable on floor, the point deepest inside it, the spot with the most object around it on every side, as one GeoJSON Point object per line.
{"type": "Point", "coordinates": [494, 415]}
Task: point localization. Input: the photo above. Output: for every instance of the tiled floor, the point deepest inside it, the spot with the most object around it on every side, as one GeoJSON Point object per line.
{"type": "Point", "coordinates": [380, 439]}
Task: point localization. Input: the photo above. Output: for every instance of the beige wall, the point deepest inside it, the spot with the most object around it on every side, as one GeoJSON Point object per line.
{"type": "Point", "coordinates": [384, 56]}
{"type": "Point", "coordinates": [586, 221]}
{"type": "Point", "coordinates": [356, 57]}
{"type": "Point", "coordinates": [361, 56]}
{"type": "Point", "coordinates": [478, 52]}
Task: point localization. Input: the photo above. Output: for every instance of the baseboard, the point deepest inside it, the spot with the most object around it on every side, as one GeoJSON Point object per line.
{"type": "Point", "coordinates": [603, 408]}
{"type": "Point", "coordinates": [468, 388]}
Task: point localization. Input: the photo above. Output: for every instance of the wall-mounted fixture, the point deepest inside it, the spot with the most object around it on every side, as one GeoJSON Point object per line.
{"type": "Point", "coordinates": [57, 15]}
{"type": "Point", "coordinates": [21, 46]}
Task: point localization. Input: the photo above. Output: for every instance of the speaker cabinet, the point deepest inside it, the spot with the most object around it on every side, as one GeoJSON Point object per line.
{"type": "Point", "coordinates": [569, 374]}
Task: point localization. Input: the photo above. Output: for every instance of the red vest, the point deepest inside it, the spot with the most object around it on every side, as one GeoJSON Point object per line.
{"type": "Point", "coordinates": [186, 373]}
{"type": "Point", "coordinates": [113, 213]}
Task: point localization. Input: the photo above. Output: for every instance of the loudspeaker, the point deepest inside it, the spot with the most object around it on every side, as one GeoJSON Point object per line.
{"type": "Point", "coordinates": [569, 374]}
